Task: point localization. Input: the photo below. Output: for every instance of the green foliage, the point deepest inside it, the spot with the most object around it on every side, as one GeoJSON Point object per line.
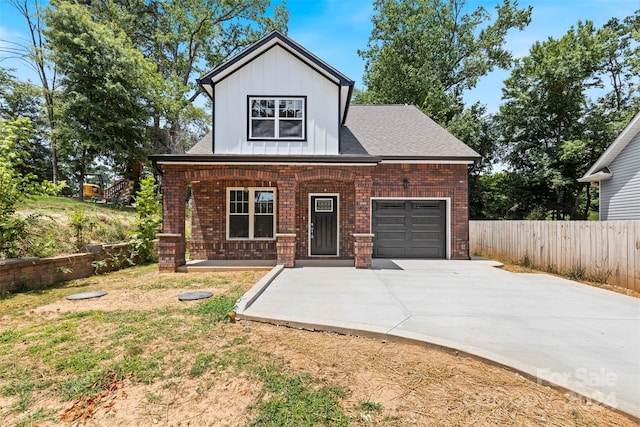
{"type": "Point", "coordinates": [148, 222]}
{"type": "Point", "coordinates": [23, 99]}
{"type": "Point", "coordinates": [12, 184]}
{"type": "Point", "coordinates": [46, 188]}
{"type": "Point", "coordinates": [476, 128]}
{"type": "Point", "coordinates": [184, 38]}
{"type": "Point", "coordinates": [428, 52]}
{"type": "Point", "coordinates": [79, 225]}
{"type": "Point", "coordinates": [552, 131]}
{"type": "Point", "coordinates": [108, 87]}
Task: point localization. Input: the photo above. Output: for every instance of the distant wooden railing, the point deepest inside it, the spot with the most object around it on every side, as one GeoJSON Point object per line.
{"type": "Point", "coordinates": [597, 250]}
{"type": "Point", "coordinates": [114, 191]}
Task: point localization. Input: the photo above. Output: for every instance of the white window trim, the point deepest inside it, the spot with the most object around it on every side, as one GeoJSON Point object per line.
{"type": "Point", "coordinates": [252, 190]}
{"type": "Point", "coordinates": [276, 118]}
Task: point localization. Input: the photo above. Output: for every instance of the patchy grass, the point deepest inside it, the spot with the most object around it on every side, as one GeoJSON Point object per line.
{"type": "Point", "coordinates": [62, 225]}
{"type": "Point", "coordinates": [138, 356]}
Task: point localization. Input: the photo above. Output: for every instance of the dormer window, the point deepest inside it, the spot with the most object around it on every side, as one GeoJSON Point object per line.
{"type": "Point", "coordinates": [277, 118]}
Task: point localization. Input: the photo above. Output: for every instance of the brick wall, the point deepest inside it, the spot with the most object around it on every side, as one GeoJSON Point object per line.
{"type": "Point", "coordinates": [36, 273]}
{"type": "Point", "coordinates": [355, 184]}
{"type": "Point", "coordinates": [439, 181]}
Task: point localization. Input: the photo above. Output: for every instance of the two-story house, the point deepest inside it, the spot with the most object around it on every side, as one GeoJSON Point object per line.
{"type": "Point", "coordinates": [292, 171]}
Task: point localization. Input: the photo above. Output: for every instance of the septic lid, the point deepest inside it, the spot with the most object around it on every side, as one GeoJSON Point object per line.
{"type": "Point", "coordinates": [87, 295]}
{"type": "Point", "coordinates": [195, 295]}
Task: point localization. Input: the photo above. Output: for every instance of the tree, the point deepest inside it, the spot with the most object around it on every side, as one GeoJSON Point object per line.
{"type": "Point", "coordinates": [551, 129]}
{"type": "Point", "coordinates": [33, 54]}
{"type": "Point", "coordinates": [428, 52]}
{"type": "Point", "coordinates": [620, 45]}
{"type": "Point", "coordinates": [184, 38]}
{"type": "Point", "coordinates": [108, 90]}
{"type": "Point", "coordinates": [22, 100]}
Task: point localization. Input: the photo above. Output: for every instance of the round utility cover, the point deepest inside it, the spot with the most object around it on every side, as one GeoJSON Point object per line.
{"type": "Point", "coordinates": [87, 295]}
{"type": "Point", "coordinates": [191, 296]}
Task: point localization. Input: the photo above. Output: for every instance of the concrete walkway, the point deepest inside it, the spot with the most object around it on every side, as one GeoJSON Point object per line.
{"type": "Point", "coordinates": [571, 335]}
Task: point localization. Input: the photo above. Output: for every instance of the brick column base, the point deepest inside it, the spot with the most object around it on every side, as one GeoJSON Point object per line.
{"type": "Point", "coordinates": [363, 249]}
{"type": "Point", "coordinates": [286, 250]}
{"type": "Point", "coordinates": [171, 252]}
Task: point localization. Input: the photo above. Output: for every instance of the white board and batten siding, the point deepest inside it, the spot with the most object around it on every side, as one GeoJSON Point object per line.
{"type": "Point", "coordinates": [620, 195]}
{"type": "Point", "coordinates": [276, 73]}
{"type": "Point", "coordinates": [593, 249]}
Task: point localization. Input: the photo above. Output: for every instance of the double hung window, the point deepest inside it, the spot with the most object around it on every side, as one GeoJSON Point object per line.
{"type": "Point", "coordinates": [277, 118]}
{"type": "Point", "coordinates": [251, 213]}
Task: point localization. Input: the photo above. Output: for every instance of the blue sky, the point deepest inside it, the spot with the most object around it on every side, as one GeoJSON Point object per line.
{"type": "Point", "coordinates": [334, 30]}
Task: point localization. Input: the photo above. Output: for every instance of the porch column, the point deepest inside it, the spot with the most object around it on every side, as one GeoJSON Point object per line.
{"type": "Point", "coordinates": [286, 235]}
{"type": "Point", "coordinates": [363, 249]}
{"type": "Point", "coordinates": [286, 247]}
{"type": "Point", "coordinates": [171, 245]}
{"type": "Point", "coordinates": [362, 237]}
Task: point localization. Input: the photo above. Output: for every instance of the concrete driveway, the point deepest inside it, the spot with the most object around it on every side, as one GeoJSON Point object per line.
{"type": "Point", "coordinates": [560, 332]}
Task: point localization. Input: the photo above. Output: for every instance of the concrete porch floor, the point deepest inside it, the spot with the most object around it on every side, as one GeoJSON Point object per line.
{"type": "Point", "coordinates": [214, 265]}
{"type": "Point", "coordinates": [217, 265]}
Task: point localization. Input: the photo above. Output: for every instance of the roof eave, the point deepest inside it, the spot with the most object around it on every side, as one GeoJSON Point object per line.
{"type": "Point", "coordinates": [261, 159]}
{"type": "Point", "coordinates": [288, 44]}
{"type": "Point", "coordinates": [615, 148]}
{"type": "Point", "coordinates": [596, 177]}
{"type": "Point", "coordinates": [431, 159]}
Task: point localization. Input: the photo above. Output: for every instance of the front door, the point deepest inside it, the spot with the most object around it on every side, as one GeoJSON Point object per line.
{"type": "Point", "coordinates": [323, 227]}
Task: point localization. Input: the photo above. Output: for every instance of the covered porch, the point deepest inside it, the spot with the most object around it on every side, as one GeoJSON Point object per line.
{"type": "Point", "coordinates": [294, 223]}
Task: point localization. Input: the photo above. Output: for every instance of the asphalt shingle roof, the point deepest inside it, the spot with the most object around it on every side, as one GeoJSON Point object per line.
{"type": "Point", "coordinates": [398, 131]}
{"type": "Point", "coordinates": [387, 131]}
{"type": "Point", "coordinates": [204, 146]}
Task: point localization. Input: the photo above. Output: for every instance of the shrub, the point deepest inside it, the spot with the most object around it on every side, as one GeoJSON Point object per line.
{"type": "Point", "coordinates": [148, 222]}
{"type": "Point", "coordinates": [15, 231]}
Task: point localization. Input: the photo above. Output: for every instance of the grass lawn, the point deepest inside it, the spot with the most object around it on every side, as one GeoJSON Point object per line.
{"type": "Point", "coordinates": [138, 356]}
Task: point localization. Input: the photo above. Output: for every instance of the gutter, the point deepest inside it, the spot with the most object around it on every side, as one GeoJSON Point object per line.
{"type": "Point", "coordinates": [601, 175]}
{"type": "Point", "coordinates": [159, 159]}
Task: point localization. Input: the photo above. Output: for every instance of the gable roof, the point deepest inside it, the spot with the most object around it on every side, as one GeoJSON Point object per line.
{"type": "Point", "coordinates": [599, 171]}
{"type": "Point", "coordinates": [276, 38]}
{"type": "Point", "coordinates": [399, 132]}
{"type": "Point", "coordinates": [388, 132]}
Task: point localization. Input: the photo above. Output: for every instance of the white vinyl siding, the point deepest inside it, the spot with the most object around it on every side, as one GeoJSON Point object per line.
{"type": "Point", "coordinates": [620, 195]}
{"type": "Point", "coordinates": [276, 73]}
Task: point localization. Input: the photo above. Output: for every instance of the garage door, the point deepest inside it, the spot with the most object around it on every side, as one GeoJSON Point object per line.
{"type": "Point", "coordinates": [409, 228]}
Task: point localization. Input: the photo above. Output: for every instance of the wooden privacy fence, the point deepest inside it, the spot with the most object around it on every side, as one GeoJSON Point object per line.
{"type": "Point", "coordinates": [597, 250]}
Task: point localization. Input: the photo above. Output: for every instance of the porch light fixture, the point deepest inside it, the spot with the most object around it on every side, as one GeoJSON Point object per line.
{"type": "Point", "coordinates": [405, 183]}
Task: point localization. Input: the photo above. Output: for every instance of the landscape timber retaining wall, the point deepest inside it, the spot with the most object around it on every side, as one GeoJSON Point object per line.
{"type": "Point", "coordinates": [21, 274]}
{"type": "Point", "coordinates": [597, 250]}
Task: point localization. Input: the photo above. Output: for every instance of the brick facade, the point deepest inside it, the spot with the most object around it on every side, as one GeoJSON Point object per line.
{"type": "Point", "coordinates": [355, 185]}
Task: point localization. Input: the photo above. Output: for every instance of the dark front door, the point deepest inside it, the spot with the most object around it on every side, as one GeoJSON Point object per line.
{"type": "Point", "coordinates": [323, 229]}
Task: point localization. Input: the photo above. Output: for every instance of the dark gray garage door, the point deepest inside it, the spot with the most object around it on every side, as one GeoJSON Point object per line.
{"type": "Point", "coordinates": [409, 228]}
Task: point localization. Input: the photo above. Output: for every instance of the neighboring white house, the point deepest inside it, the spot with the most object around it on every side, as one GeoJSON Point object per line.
{"type": "Point", "coordinates": [617, 172]}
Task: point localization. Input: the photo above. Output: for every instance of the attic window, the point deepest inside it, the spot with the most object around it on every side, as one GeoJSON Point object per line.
{"type": "Point", "coordinates": [277, 118]}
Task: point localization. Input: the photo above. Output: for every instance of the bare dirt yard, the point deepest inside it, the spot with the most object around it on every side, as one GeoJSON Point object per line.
{"type": "Point", "coordinates": [138, 356]}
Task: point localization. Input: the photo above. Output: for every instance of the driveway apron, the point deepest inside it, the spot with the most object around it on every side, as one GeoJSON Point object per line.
{"type": "Point", "coordinates": [575, 336]}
